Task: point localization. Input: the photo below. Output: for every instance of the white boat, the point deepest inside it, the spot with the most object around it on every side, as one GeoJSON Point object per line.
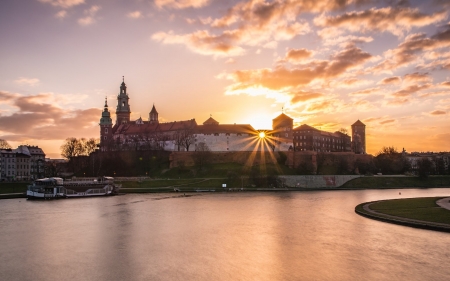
{"type": "Point", "coordinates": [57, 188]}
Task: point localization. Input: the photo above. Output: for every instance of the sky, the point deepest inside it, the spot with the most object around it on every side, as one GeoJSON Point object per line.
{"type": "Point", "coordinates": [324, 63]}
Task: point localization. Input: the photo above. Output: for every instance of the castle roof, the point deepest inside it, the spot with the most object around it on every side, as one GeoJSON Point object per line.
{"type": "Point", "coordinates": [147, 127]}
{"type": "Point", "coordinates": [305, 127]}
{"type": "Point", "coordinates": [282, 116]}
{"type": "Point", "coordinates": [225, 128]}
{"type": "Point", "coordinates": [211, 121]}
{"type": "Point", "coordinates": [358, 123]}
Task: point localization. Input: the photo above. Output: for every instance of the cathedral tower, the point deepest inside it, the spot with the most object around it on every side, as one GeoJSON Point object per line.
{"type": "Point", "coordinates": [123, 107]}
{"type": "Point", "coordinates": [105, 127]}
{"type": "Point", "coordinates": [153, 115]}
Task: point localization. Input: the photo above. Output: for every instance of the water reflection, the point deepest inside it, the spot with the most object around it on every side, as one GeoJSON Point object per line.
{"type": "Point", "coordinates": [238, 236]}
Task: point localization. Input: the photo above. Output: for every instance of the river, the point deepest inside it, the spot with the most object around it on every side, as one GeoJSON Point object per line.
{"type": "Point", "coordinates": [217, 236]}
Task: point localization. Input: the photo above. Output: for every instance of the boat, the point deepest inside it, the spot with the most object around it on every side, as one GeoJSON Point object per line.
{"type": "Point", "coordinates": [57, 188]}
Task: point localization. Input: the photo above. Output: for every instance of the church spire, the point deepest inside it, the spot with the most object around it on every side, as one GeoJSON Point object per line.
{"type": "Point", "coordinates": [123, 107]}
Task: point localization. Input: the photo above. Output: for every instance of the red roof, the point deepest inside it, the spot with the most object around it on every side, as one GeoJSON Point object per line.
{"type": "Point", "coordinates": [148, 127]}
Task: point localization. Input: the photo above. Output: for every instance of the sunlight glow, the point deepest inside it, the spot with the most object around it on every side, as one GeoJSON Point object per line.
{"type": "Point", "coordinates": [262, 135]}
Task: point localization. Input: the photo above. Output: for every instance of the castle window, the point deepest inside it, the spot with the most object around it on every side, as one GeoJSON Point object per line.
{"type": "Point", "coordinates": [106, 130]}
{"type": "Point", "coordinates": [104, 137]}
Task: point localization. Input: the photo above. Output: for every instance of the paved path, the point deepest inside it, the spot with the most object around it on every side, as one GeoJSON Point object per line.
{"type": "Point", "coordinates": [444, 203]}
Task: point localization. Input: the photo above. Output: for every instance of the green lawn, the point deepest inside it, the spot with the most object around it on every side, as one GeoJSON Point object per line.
{"type": "Point", "coordinates": [424, 209]}
{"type": "Point", "coordinates": [397, 182]}
{"type": "Point", "coordinates": [13, 187]}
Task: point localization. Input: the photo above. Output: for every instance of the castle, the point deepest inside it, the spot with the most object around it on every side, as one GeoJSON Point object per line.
{"type": "Point", "coordinates": [187, 135]}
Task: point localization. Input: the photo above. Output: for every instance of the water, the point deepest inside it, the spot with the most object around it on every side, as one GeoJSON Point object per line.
{"type": "Point", "coordinates": [232, 236]}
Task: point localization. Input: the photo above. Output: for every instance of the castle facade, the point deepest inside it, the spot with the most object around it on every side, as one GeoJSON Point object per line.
{"type": "Point", "coordinates": [187, 135]}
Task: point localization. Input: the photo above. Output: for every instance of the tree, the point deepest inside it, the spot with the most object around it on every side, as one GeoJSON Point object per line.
{"type": "Point", "coordinates": [390, 161]}
{"type": "Point", "coordinates": [202, 155]}
{"type": "Point", "coordinates": [4, 144]}
{"type": "Point", "coordinates": [71, 147]}
{"type": "Point", "coordinates": [343, 130]}
{"type": "Point", "coordinates": [424, 167]}
{"type": "Point", "coordinates": [90, 145]}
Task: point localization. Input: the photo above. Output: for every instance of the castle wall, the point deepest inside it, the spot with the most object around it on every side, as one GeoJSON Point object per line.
{"type": "Point", "coordinates": [241, 157]}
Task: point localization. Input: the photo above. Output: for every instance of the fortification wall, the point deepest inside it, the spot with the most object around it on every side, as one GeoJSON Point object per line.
{"type": "Point", "coordinates": [241, 157]}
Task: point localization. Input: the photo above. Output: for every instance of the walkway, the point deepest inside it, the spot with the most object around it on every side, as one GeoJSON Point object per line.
{"type": "Point", "coordinates": [444, 203]}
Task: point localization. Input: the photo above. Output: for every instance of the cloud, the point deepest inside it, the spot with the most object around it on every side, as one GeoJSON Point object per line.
{"type": "Point", "coordinates": [203, 43]}
{"type": "Point", "coordinates": [90, 16]}
{"type": "Point", "coordinates": [302, 96]}
{"type": "Point", "coordinates": [387, 121]}
{"type": "Point", "coordinates": [5, 96]}
{"type": "Point", "coordinates": [36, 118]}
{"type": "Point", "coordinates": [397, 102]}
{"type": "Point", "coordinates": [61, 14]}
{"type": "Point", "coordinates": [135, 15]}
{"type": "Point", "coordinates": [445, 84]}
{"type": "Point", "coordinates": [417, 77]}
{"type": "Point", "coordinates": [253, 23]}
{"type": "Point", "coordinates": [322, 106]}
{"type": "Point", "coordinates": [344, 40]}
{"type": "Point", "coordinates": [63, 3]}
{"type": "Point", "coordinates": [396, 20]}
{"type": "Point", "coordinates": [407, 91]}
{"type": "Point", "coordinates": [296, 55]}
{"type": "Point", "coordinates": [390, 80]}
{"type": "Point", "coordinates": [438, 112]}
{"type": "Point", "coordinates": [27, 81]}
{"type": "Point", "coordinates": [408, 51]}
{"type": "Point", "coordinates": [366, 91]}
{"type": "Point", "coordinates": [291, 81]}
{"type": "Point", "coordinates": [181, 4]}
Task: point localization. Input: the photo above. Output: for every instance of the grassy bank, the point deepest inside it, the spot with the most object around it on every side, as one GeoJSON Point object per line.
{"type": "Point", "coordinates": [397, 182]}
{"type": "Point", "coordinates": [414, 212]}
{"type": "Point", "coordinates": [13, 187]}
{"type": "Point", "coordinates": [424, 209]}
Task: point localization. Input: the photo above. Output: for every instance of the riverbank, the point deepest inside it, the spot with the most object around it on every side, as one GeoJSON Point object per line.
{"type": "Point", "coordinates": [286, 183]}
{"type": "Point", "coordinates": [422, 213]}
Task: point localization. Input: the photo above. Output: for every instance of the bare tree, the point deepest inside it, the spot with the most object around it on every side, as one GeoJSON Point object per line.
{"type": "Point", "coordinates": [343, 130]}
{"type": "Point", "coordinates": [91, 145]}
{"type": "Point", "coordinates": [72, 147]}
{"type": "Point", "coordinates": [4, 144]}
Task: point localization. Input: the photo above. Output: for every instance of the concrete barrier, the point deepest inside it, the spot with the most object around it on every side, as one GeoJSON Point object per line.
{"type": "Point", "coordinates": [317, 181]}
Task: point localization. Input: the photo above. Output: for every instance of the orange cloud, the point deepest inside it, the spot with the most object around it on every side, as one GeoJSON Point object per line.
{"type": "Point", "coordinates": [204, 43]}
{"type": "Point", "coordinates": [387, 121]}
{"type": "Point", "coordinates": [302, 96]}
{"type": "Point", "coordinates": [395, 20]}
{"type": "Point", "coordinates": [438, 112]}
{"type": "Point", "coordinates": [411, 90]}
{"type": "Point", "coordinates": [181, 4]}
{"type": "Point", "coordinates": [390, 80]}
{"type": "Point", "coordinates": [296, 55]}
{"type": "Point", "coordinates": [407, 52]}
{"type": "Point", "coordinates": [37, 119]}
{"type": "Point", "coordinates": [366, 91]}
{"type": "Point", "coordinates": [417, 77]}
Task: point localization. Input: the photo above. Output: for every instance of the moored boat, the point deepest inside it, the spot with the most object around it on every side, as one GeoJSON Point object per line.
{"type": "Point", "coordinates": [57, 188]}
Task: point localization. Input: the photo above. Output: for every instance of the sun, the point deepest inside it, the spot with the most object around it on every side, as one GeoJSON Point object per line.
{"type": "Point", "coordinates": [262, 135]}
